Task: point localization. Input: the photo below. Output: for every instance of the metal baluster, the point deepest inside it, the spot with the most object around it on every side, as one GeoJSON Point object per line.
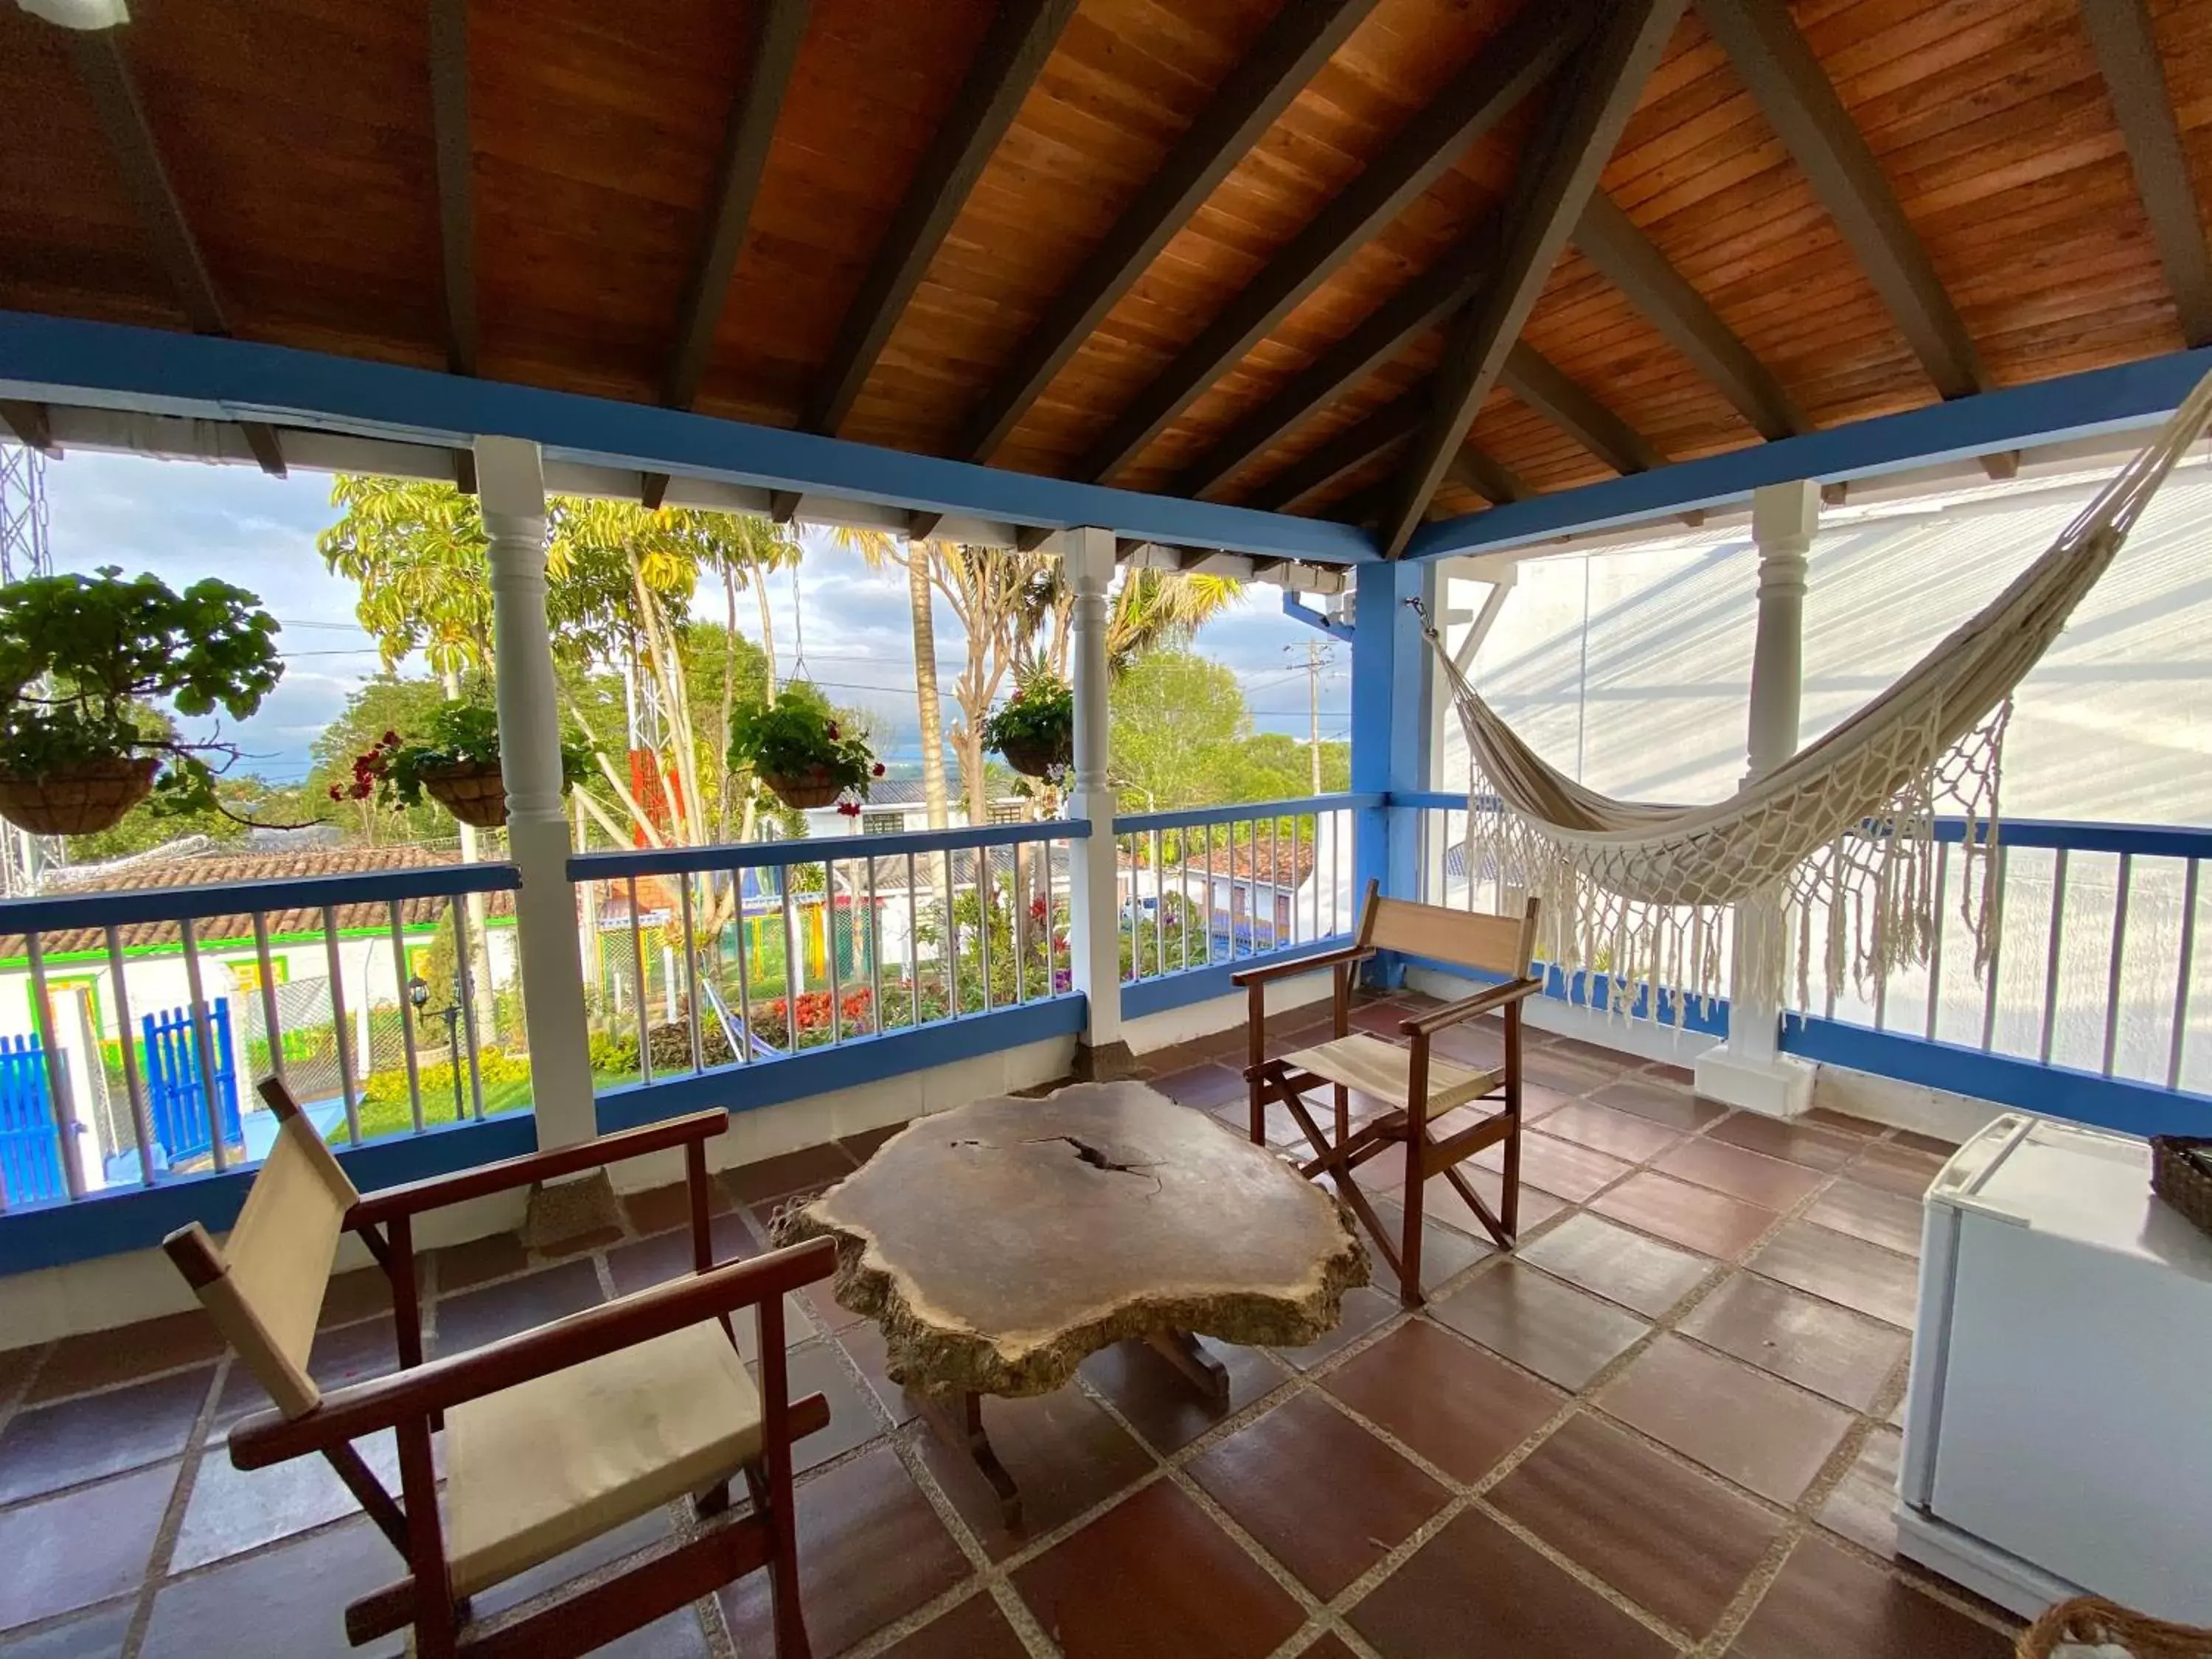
{"type": "Point", "coordinates": [142, 1124]}
{"type": "Point", "coordinates": [1051, 918]}
{"type": "Point", "coordinates": [985, 904]}
{"type": "Point", "coordinates": [270, 1019]}
{"type": "Point", "coordinates": [2119, 951]}
{"type": "Point", "coordinates": [1996, 944]}
{"type": "Point", "coordinates": [337, 1021]}
{"type": "Point", "coordinates": [1252, 895]}
{"type": "Point", "coordinates": [830, 951]}
{"type": "Point", "coordinates": [464, 977]}
{"type": "Point", "coordinates": [1936, 945]}
{"type": "Point", "coordinates": [1296, 866]}
{"type": "Point", "coordinates": [637, 987]}
{"type": "Point", "coordinates": [952, 945]}
{"type": "Point", "coordinates": [1880, 939]}
{"type": "Point", "coordinates": [1159, 907]}
{"type": "Point", "coordinates": [43, 1014]}
{"type": "Point", "coordinates": [875, 948]}
{"type": "Point", "coordinates": [2050, 964]}
{"type": "Point", "coordinates": [1018, 910]}
{"type": "Point", "coordinates": [745, 966]}
{"type": "Point", "coordinates": [406, 1013]}
{"type": "Point", "coordinates": [913, 949]}
{"type": "Point", "coordinates": [1209, 893]}
{"type": "Point", "coordinates": [2181, 985]}
{"type": "Point", "coordinates": [690, 974]}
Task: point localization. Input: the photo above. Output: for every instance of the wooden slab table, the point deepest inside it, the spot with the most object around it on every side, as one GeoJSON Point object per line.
{"type": "Point", "coordinates": [1001, 1243]}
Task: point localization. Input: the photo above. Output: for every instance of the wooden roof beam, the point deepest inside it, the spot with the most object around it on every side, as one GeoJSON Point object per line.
{"type": "Point", "coordinates": [1538, 382]}
{"type": "Point", "coordinates": [1303, 37]}
{"type": "Point", "coordinates": [2127, 54]}
{"type": "Point", "coordinates": [1579, 134]}
{"type": "Point", "coordinates": [771, 50]}
{"type": "Point", "coordinates": [114, 95]}
{"type": "Point", "coordinates": [1524, 52]}
{"type": "Point", "coordinates": [1800, 103]}
{"type": "Point", "coordinates": [1612, 242]}
{"type": "Point", "coordinates": [27, 424]}
{"type": "Point", "coordinates": [1342, 452]}
{"type": "Point", "coordinates": [1022, 35]}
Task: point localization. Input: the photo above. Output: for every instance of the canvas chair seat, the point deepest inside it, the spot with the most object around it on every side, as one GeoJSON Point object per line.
{"type": "Point", "coordinates": [538, 1468]}
{"type": "Point", "coordinates": [1381, 1069]}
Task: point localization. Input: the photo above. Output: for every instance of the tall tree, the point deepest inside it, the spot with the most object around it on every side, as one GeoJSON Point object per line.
{"type": "Point", "coordinates": [879, 548]}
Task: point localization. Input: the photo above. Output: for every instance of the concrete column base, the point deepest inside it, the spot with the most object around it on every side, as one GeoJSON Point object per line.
{"type": "Point", "coordinates": [1779, 1086]}
{"type": "Point", "coordinates": [1103, 1063]}
{"type": "Point", "coordinates": [569, 1207]}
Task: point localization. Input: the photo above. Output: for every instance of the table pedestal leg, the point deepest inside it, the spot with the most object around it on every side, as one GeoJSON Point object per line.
{"type": "Point", "coordinates": [958, 1418]}
{"type": "Point", "coordinates": [1200, 1369]}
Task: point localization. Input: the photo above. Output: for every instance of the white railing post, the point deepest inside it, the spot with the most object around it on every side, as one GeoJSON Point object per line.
{"type": "Point", "coordinates": [1094, 931]}
{"type": "Point", "coordinates": [1750, 1071]}
{"type": "Point", "coordinates": [512, 486]}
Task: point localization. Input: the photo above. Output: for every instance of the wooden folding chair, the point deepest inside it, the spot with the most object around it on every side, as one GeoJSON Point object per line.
{"type": "Point", "coordinates": [1401, 1077]}
{"type": "Point", "coordinates": [553, 1437]}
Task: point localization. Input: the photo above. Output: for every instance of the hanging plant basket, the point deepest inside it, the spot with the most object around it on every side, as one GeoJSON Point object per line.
{"type": "Point", "coordinates": [79, 799]}
{"type": "Point", "coordinates": [802, 794]}
{"type": "Point", "coordinates": [1038, 758]}
{"type": "Point", "coordinates": [471, 791]}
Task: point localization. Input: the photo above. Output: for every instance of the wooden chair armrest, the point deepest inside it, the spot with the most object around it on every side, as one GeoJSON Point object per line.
{"type": "Point", "coordinates": [1268, 971]}
{"type": "Point", "coordinates": [384, 1402]}
{"type": "Point", "coordinates": [465, 1184]}
{"type": "Point", "coordinates": [1468, 1007]}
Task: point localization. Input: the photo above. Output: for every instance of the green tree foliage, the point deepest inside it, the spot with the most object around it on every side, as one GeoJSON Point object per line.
{"type": "Point", "coordinates": [386, 703]}
{"type": "Point", "coordinates": [1183, 737]}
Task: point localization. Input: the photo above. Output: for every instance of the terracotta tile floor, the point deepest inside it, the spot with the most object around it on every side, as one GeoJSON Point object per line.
{"type": "Point", "coordinates": [1664, 1425]}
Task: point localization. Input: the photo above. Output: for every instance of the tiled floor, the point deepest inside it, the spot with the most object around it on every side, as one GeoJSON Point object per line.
{"type": "Point", "coordinates": [1665, 1425]}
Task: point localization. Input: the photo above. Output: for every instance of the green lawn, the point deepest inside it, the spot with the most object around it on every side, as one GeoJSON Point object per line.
{"type": "Point", "coordinates": [392, 1117]}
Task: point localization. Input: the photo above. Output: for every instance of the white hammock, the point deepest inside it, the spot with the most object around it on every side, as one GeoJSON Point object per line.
{"type": "Point", "coordinates": [1838, 839]}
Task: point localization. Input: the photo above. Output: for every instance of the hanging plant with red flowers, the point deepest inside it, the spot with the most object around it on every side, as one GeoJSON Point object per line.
{"type": "Point", "coordinates": [798, 751]}
{"type": "Point", "coordinates": [456, 763]}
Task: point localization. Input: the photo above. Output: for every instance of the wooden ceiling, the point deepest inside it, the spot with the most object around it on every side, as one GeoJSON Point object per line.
{"type": "Point", "coordinates": [1373, 259]}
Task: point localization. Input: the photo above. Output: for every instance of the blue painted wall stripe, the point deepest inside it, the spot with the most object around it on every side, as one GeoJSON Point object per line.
{"type": "Point", "coordinates": [1179, 990]}
{"type": "Point", "coordinates": [2098, 400]}
{"type": "Point", "coordinates": [66, 361]}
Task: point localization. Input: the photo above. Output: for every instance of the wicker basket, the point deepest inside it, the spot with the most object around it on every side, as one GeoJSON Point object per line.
{"type": "Point", "coordinates": [801, 793]}
{"type": "Point", "coordinates": [1039, 760]}
{"type": "Point", "coordinates": [79, 799]}
{"type": "Point", "coordinates": [2090, 1620]}
{"type": "Point", "coordinates": [2183, 1181]}
{"type": "Point", "coordinates": [472, 791]}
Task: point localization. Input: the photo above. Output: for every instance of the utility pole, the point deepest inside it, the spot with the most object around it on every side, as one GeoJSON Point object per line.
{"type": "Point", "coordinates": [1317, 658]}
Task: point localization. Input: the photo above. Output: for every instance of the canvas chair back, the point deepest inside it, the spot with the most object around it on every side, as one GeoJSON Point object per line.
{"type": "Point", "coordinates": [1500, 945]}
{"type": "Point", "coordinates": [265, 1286]}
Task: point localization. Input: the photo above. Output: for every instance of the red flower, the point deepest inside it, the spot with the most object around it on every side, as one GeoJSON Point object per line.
{"type": "Point", "coordinates": [336, 793]}
{"type": "Point", "coordinates": [879, 770]}
{"type": "Point", "coordinates": [390, 737]}
{"type": "Point", "coordinates": [833, 729]}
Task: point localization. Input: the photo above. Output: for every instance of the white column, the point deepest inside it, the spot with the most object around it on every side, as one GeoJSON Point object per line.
{"type": "Point", "coordinates": [511, 485]}
{"type": "Point", "coordinates": [1750, 1071]}
{"type": "Point", "coordinates": [1094, 934]}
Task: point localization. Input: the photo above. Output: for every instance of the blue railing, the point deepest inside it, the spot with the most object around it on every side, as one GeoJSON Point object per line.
{"type": "Point", "coordinates": [164, 1002]}
{"type": "Point", "coordinates": [841, 951]}
{"type": "Point", "coordinates": [1202, 890]}
{"type": "Point", "coordinates": [2093, 1004]}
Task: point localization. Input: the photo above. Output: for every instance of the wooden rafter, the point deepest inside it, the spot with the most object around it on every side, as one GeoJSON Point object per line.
{"type": "Point", "coordinates": [920, 526]}
{"type": "Point", "coordinates": [1612, 242]}
{"type": "Point", "coordinates": [1583, 125]}
{"type": "Point", "coordinates": [771, 50]}
{"type": "Point", "coordinates": [1490, 478]}
{"type": "Point", "coordinates": [1303, 37]}
{"type": "Point", "coordinates": [1342, 452]}
{"type": "Point", "coordinates": [1522, 54]}
{"type": "Point", "coordinates": [1800, 103]}
{"type": "Point", "coordinates": [28, 424]}
{"type": "Point", "coordinates": [457, 219]}
{"type": "Point", "coordinates": [2127, 54]}
{"type": "Point", "coordinates": [1538, 382]}
{"type": "Point", "coordinates": [114, 95]}
{"type": "Point", "coordinates": [1022, 35]}
{"type": "Point", "coordinates": [1417, 307]}
{"type": "Point", "coordinates": [783, 504]}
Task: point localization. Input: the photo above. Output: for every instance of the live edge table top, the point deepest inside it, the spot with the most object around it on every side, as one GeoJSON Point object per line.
{"type": "Point", "coordinates": [999, 1243]}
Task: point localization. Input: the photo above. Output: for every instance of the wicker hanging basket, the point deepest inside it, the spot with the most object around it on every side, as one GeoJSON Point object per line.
{"type": "Point", "coordinates": [1034, 759]}
{"type": "Point", "coordinates": [472, 791]}
{"type": "Point", "coordinates": [79, 799]}
{"type": "Point", "coordinates": [2181, 1174]}
{"type": "Point", "coordinates": [2090, 1621]}
{"type": "Point", "coordinates": [802, 794]}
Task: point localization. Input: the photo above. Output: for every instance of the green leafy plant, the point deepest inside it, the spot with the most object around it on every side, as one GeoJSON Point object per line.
{"type": "Point", "coordinates": [457, 734]}
{"type": "Point", "coordinates": [796, 740]}
{"type": "Point", "coordinates": [1035, 727]}
{"type": "Point", "coordinates": [85, 661]}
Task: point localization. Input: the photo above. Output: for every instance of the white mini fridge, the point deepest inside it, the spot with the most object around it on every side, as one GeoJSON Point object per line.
{"type": "Point", "coordinates": [2058, 1426]}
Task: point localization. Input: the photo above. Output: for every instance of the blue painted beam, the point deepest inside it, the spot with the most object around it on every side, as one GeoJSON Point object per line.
{"type": "Point", "coordinates": [2098, 400]}
{"type": "Point", "coordinates": [1179, 990]}
{"type": "Point", "coordinates": [1389, 728]}
{"type": "Point", "coordinates": [1296, 608]}
{"type": "Point", "coordinates": [233, 898]}
{"type": "Point", "coordinates": [1191, 817]}
{"type": "Point", "coordinates": [775, 855]}
{"type": "Point", "coordinates": [62, 360]}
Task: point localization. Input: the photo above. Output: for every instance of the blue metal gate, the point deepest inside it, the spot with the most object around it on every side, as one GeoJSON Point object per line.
{"type": "Point", "coordinates": [174, 1089]}
{"type": "Point", "coordinates": [30, 1157]}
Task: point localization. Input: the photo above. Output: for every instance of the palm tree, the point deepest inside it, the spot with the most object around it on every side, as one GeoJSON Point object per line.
{"type": "Point", "coordinates": [878, 548]}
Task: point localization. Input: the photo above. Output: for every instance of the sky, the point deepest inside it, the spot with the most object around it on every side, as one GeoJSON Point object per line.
{"type": "Point", "coordinates": [184, 521]}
